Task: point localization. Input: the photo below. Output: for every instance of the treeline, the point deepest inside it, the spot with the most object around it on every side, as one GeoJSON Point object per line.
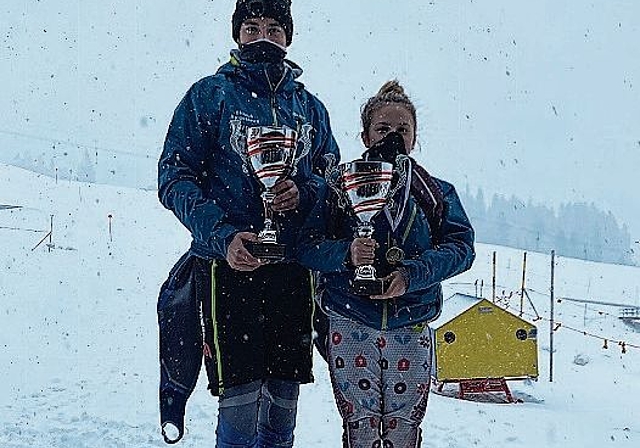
{"type": "Point", "coordinates": [82, 170]}
{"type": "Point", "coordinates": [576, 230]}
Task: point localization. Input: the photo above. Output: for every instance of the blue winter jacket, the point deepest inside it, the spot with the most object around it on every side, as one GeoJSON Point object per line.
{"type": "Point", "coordinates": [324, 246]}
{"type": "Point", "coordinates": [203, 175]}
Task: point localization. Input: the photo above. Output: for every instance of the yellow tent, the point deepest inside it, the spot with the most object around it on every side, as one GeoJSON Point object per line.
{"type": "Point", "coordinates": [483, 340]}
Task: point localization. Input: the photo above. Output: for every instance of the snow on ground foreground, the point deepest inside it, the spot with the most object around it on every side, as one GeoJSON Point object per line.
{"type": "Point", "coordinates": [78, 345]}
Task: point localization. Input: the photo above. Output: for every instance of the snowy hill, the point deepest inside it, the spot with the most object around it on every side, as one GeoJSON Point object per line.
{"type": "Point", "coordinates": [78, 346]}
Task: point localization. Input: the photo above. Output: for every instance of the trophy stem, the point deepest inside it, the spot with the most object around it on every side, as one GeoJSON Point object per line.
{"type": "Point", "coordinates": [267, 248]}
{"type": "Point", "coordinates": [267, 197]}
{"type": "Point", "coordinates": [365, 272]}
{"type": "Point", "coordinates": [268, 234]}
{"type": "Point", "coordinates": [365, 230]}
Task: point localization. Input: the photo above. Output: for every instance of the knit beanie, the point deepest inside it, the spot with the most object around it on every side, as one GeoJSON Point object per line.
{"type": "Point", "coordinates": [279, 10]}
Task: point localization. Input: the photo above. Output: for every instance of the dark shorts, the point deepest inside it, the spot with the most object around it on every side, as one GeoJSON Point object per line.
{"type": "Point", "coordinates": [258, 325]}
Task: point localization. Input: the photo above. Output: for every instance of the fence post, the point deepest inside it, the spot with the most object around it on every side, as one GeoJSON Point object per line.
{"type": "Point", "coordinates": [493, 281]}
{"type": "Point", "coordinates": [524, 273]}
{"type": "Point", "coordinates": [50, 233]}
{"type": "Point", "coordinates": [551, 320]}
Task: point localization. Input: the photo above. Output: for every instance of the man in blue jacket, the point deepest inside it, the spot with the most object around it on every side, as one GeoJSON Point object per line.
{"type": "Point", "coordinates": [256, 316]}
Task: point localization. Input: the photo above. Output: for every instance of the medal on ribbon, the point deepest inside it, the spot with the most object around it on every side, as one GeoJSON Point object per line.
{"type": "Point", "coordinates": [394, 255]}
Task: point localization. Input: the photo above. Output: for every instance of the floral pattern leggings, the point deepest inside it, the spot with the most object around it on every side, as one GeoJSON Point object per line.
{"type": "Point", "coordinates": [380, 381]}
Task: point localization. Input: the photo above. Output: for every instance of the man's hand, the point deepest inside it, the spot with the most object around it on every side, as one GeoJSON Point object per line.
{"type": "Point", "coordinates": [397, 287]}
{"type": "Point", "coordinates": [238, 257]}
{"type": "Point", "coordinates": [363, 251]}
{"type": "Point", "coordinates": [287, 196]}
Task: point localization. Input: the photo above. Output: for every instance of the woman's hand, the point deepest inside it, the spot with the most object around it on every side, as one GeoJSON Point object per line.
{"type": "Point", "coordinates": [397, 287]}
{"type": "Point", "coordinates": [363, 251]}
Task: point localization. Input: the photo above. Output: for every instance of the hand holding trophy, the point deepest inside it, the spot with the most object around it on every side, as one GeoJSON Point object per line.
{"type": "Point", "coordinates": [270, 150]}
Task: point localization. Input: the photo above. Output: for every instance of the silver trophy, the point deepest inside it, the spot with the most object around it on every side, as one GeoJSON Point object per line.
{"type": "Point", "coordinates": [271, 151]}
{"type": "Point", "coordinates": [366, 185]}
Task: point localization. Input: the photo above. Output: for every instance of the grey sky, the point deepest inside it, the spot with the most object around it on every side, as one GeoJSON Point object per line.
{"type": "Point", "coordinates": [537, 99]}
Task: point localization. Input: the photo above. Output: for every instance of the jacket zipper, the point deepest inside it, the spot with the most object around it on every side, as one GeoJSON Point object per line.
{"type": "Point", "coordinates": [273, 95]}
{"type": "Point", "coordinates": [385, 311]}
{"type": "Point", "coordinates": [385, 305]}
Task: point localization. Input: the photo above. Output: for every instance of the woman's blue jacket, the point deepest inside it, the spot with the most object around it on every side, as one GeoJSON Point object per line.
{"type": "Point", "coordinates": [324, 246]}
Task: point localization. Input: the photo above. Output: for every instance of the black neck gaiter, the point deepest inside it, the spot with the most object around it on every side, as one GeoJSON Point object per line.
{"type": "Point", "coordinates": [386, 149]}
{"type": "Point", "coordinates": [261, 51]}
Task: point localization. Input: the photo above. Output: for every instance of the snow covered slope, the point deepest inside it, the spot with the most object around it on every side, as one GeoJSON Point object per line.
{"type": "Point", "coordinates": [78, 338]}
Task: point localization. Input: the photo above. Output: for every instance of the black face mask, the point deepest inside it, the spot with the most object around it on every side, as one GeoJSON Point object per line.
{"type": "Point", "coordinates": [386, 149]}
{"type": "Point", "coordinates": [261, 51]}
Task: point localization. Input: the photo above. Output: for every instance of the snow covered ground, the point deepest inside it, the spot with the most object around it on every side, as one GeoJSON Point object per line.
{"type": "Point", "coordinates": [78, 338]}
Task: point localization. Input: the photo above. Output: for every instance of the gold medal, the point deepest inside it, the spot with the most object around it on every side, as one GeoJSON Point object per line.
{"type": "Point", "coordinates": [394, 255]}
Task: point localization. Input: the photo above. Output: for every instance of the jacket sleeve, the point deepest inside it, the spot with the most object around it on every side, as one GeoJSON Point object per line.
{"type": "Point", "coordinates": [181, 170]}
{"type": "Point", "coordinates": [323, 143]}
{"type": "Point", "coordinates": [454, 254]}
{"type": "Point", "coordinates": [314, 248]}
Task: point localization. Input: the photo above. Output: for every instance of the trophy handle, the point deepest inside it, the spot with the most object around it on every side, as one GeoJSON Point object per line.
{"type": "Point", "coordinates": [238, 140]}
{"type": "Point", "coordinates": [304, 131]}
{"type": "Point", "coordinates": [333, 177]}
{"type": "Point", "coordinates": [403, 165]}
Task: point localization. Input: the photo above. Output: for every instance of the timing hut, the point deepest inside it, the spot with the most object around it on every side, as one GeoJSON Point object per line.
{"type": "Point", "coordinates": [481, 345]}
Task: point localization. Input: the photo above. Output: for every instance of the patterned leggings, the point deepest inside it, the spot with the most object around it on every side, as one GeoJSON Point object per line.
{"type": "Point", "coordinates": [380, 381]}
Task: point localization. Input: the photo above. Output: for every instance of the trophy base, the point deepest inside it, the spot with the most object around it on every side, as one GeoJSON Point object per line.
{"type": "Point", "coordinates": [367, 287]}
{"type": "Point", "coordinates": [271, 252]}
